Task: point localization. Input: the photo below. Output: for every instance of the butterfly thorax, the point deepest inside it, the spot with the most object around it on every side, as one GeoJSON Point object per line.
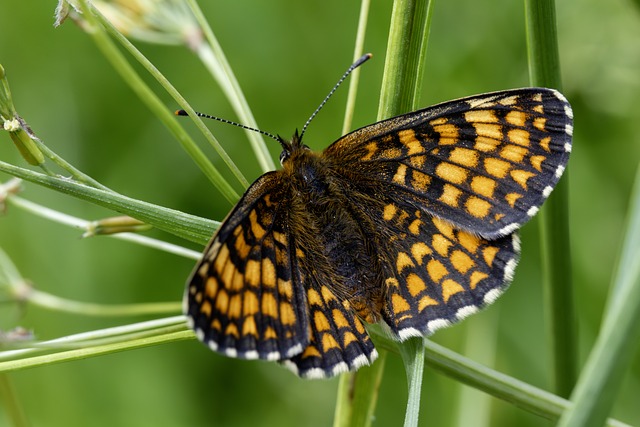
{"type": "Point", "coordinates": [334, 231]}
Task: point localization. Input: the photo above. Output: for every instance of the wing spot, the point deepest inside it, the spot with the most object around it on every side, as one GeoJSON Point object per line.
{"type": "Point", "coordinates": [425, 302]}
{"type": "Point", "coordinates": [461, 261]}
{"type": "Point", "coordinates": [492, 131]}
{"type": "Point", "coordinates": [420, 181]}
{"type": "Point", "coordinates": [449, 133]}
{"type": "Point", "coordinates": [415, 284]}
{"type": "Point", "coordinates": [327, 294]}
{"type": "Point", "coordinates": [417, 161]}
{"type": "Point", "coordinates": [329, 342]}
{"type": "Point", "coordinates": [539, 123]}
{"type": "Point", "coordinates": [496, 167]}
{"type": "Point", "coordinates": [372, 149]}
{"type": "Point", "coordinates": [477, 207]}
{"type": "Point", "coordinates": [250, 304]}
{"type": "Point", "coordinates": [256, 228]}
{"type": "Point", "coordinates": [419, 251]}
{"type": "Point", "coordinates": [512, 198]}
{"type": "Point", "coordinates": [476, 277]}
{"type": "Point", "coordinates": [287, 315]}
{"type": "Point", "coordinates": [221, 259]}
{"type": "Point", "coordinates": [401, 174]}
{"type": "Point", "coordinates": [521, 177]}
{"type": "Point", "coordinates": [408, 139]}
{"type": "Point", "coordinates": [450, 288]}
{"type": "Point", "coordinates": [436, 270]}
{"type": "Point", "coordinates": [321, 322]}
{"type": "Point", "coordinates": [444, 227]}
{"type": "Point", "coordinates": [211, 288]}
{"type": "Point", "coordinates": [270, 333]}
{"type": "Point", "coordinates": [252, 272]}
{"type": "Point", "coordinates": [222, 301]}
{"type": "Point", "coordinates": [489, 253]}
{"type": "Point", "coordinates": [339, 319]}
{"type": "Point", "coordinates": [451, 173]}
{"type": "Point", "coordinates": [464, 157]}
{"type": "Point", "coordinates": [513, 153]}
{"type": "Point", "coordinates": [399, 304]}
{"type": "Point", "coordinates": [483, 186]}
{"type": "Point", "coordinates": [536, 162]}
{"type": "Point", "coordinates": [403, 261]}
{"type": "Point", "coordinates": [469, 241]}
{"type": "Point", "coordinates": [269, 305]}
{"type": "Point", "coordinates": [485, 144]}
{"type": "Point", "coordinates": [450, 195]}
{"type": "Point", "coordinates": [516, 118]}
{"type": "Point", "coordinates": [481, 116]}
{"type": "Point", "coordinates": [285, 288]}
{"type": "Point", "coordinates": [414, 227]}
{"type": "Point", "coordinates": [349, 338]}
{"type": "Point", "coordinates": [232, 330]}
{"type": "Point", "coordinates": [235, 306]}
{"type": "Point", "coordinates": [391, 153]}
{"type": "Point", "coordinates": [314, 297]}
{"type": "Point", "coordinates": [544, 143]}
{"type": "Point", "coordinates": [242, 249]}
{"type": "Point", "coordinates": [268, 273]}
{"type": "Point", "coordinates": [441, 244]}
{"type": "Point", "coordinates": [205, 308]}
{"type": "Point", "coordinates": [519, 136]}
{"type": "Point", "coordinates": [249, 327]}
{"type": "Point", "coordinates": [389, 212]}
{"type": "Point", "coordinates": [280, 238]}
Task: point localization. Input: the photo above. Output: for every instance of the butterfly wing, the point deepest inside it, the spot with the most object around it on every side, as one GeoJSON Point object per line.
{"type": "Point", "coordinates": [242, 299]}
{"type": "Point", "coordinates": [484, 163]}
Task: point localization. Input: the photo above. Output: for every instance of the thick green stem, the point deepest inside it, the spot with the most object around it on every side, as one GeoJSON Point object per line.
{"type": "Point", "coordinates": [544, 69]}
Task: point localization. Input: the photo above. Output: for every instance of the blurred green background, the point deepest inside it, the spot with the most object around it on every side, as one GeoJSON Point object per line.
{"type": "Point", "coordinates": [286, 56]}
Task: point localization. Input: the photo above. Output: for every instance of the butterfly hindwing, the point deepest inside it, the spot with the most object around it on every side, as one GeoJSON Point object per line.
{"type": "Point", "coordinates": [242, 298]}
{"type": "Point", "coordinates": [441, 274]}
{"type": "Point", "coordinates": [484, 163]}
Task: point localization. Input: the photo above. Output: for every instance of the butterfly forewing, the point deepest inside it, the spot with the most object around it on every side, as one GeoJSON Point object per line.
{"type": "Point", "coordinates": [484, 163]}
{"type": "Point", "coordinates": [242, 298]}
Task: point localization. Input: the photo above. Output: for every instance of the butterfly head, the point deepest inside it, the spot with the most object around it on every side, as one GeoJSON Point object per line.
{"type": "Point", "coordinates": [291, 146]}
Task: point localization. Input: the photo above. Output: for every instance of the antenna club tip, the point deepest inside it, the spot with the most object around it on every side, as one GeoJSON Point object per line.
{"type": "Point", "coordinates": [363, 58]}
{"type": "Point", "coordinates": [180, 113]}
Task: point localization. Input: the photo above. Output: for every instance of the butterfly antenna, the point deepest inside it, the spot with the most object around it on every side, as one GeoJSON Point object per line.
{"type": "Point", "coordinates": [207, 116]}
{"type": "Point", "coordinates": [355, 65]}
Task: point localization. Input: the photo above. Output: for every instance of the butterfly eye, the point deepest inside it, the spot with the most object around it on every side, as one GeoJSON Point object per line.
{"type": "Point", "coordinates": [284, 156]}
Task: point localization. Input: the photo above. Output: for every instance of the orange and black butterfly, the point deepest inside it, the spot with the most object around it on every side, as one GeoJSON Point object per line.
{"type": "Point", "coordinates": [411, 221]}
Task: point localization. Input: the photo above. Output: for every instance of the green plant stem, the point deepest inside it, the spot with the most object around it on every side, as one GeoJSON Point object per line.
{"type": "Point", "coordinates": [83, 353]}
{"type": "Point", "coordinates": [354, 79]}
{"type": "Point", "coordinates": [504, 387]}
{"type": "Point", "coordinates": [85, 340]}
{"type": "Point", "coordinates": [544, 70]}
{"type": "Point", "coordinates": [120, 64]}
{"type": "Point", "coordinates": [53, 302]}
{"type": "Point", "coordinates": [187, 226]}
{"type": "Point", "coordinates": [403, 70]}
{"type": "Point", "coordinates": [216, 62]}
{"type": "Point", "coordinates": [84, 225]}
{"type": "Point", "coordinates": [617, 342]}
{"type": "Point", "coordinates": [75, 173]}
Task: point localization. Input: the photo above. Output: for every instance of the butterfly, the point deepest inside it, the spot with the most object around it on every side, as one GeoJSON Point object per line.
{"type": "Point", "coordinates": [411, 221]}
